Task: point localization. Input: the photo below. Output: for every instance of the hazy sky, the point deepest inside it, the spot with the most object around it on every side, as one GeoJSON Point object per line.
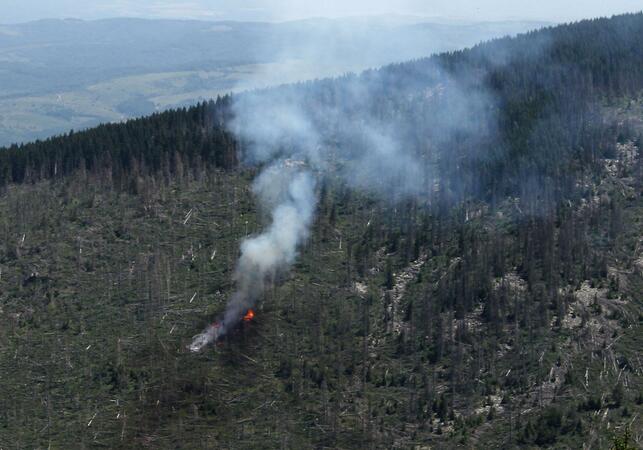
{"type": "Point", "coordinates": [12, 11]}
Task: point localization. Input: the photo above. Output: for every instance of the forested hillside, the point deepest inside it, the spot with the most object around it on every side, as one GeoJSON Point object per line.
{"type": "Point", "coordinates": [498, 306]}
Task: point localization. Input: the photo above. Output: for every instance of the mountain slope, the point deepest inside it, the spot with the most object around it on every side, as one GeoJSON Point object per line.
{"type": "Point", "coordinates": [501, 307]}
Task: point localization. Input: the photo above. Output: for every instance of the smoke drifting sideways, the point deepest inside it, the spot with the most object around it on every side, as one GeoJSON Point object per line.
{"type": "Point", "coordinates": [390, 132]}
{"type": "Point", "coordinates": [302, 140]}
{"type": "Point", "coordinates": [302, 137]}
{"type": "Point", "coordinates": [383, 132]}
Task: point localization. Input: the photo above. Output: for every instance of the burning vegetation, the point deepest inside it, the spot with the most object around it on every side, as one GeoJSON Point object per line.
{"type": "Point", "coordinates": [217, 330]}
{"type": "Point", "coordinates": [289, 193]}
{"type": "Point", "coordinates": [250, 315]}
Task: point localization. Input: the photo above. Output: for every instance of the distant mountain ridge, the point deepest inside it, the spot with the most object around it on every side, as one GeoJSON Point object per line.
{"type": "Point", "coordinates": [58, 75]}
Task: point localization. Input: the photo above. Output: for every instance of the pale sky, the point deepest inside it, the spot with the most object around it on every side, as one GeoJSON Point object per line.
{"type": "Point", "coordinates": [12, 11]}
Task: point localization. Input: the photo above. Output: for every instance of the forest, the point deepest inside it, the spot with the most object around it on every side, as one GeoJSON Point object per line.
{"type": "Point", "coordinates": [499, 305]}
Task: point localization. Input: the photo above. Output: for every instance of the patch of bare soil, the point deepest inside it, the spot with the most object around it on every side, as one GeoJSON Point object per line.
{"type": "Point", "coordinates": [402, 280]}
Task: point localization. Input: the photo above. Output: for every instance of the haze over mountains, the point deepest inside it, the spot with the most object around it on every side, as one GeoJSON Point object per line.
{"type": "Point", "coordinates": [58, 75]}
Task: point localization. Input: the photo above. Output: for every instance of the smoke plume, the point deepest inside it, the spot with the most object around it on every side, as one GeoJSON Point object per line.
{"type": "Point", "coordinates": [404, 131]}
{"type": "Point", "coordinates": [293, 192]}
{"type": "Point", "coordinates": [288, 189]}
{"type": "Point", "coordinates": [301, 137]}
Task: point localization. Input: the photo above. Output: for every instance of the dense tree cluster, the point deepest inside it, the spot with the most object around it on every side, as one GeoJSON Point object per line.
{"type": "Point", "coordinates": [162, 144]}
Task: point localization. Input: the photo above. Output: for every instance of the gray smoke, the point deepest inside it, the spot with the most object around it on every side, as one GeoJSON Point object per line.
{"type": "Point", "coordinates": [387, 132]}
{"type": "Point", "coordinates": [288, 189]}
{"type": "Point", "coordinates": [291, 192]}
{"type": "Point", "coordinates": [301, 139]}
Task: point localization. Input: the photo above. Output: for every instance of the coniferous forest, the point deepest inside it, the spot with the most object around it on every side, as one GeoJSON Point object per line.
{"type": "Point", "coordinates": [498, 306]}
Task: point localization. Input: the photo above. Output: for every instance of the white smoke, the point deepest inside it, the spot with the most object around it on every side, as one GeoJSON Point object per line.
{"type": "Point", "coordinates": [276, 248]}
{"type": "Point", "coordinates": [288, 189]}
{"type": "Point", "coordinates": [297, 136]}
{"type": "Point", "coordinates": [383, 131]}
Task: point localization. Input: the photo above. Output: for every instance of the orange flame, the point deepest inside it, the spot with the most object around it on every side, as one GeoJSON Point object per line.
{"type": "Point", "coordinates": [249, 316]}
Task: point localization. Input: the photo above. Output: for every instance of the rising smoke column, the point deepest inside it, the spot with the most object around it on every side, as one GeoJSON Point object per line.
{"type": "Point", "coordinates": [382, 132]}
{"type": "Point", "coordinates": [287, 190]}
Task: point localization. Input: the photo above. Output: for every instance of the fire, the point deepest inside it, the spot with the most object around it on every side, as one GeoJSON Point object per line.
{"type": "Point", "coordinates": [249, 316]}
